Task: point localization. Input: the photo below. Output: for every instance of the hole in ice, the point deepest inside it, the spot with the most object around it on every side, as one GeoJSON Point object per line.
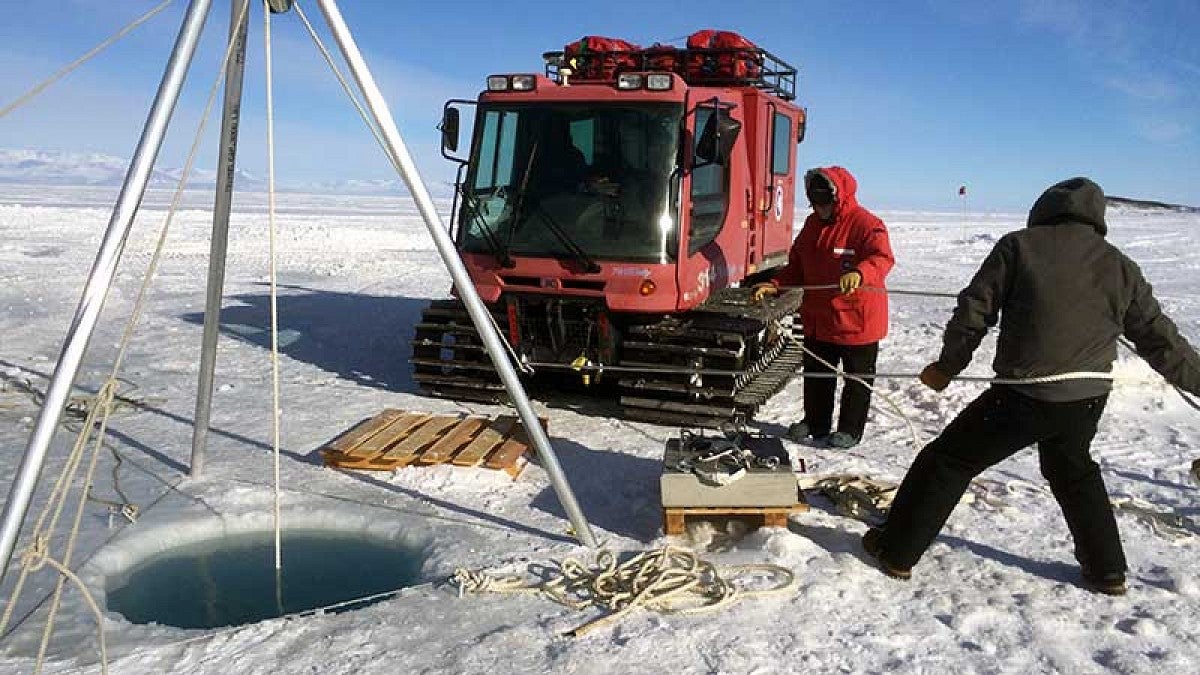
{"type": "Point", "coordinates": [233, 581]}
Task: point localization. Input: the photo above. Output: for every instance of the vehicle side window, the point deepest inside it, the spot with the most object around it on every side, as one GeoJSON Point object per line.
{"type": "Point", "coordinates": [781, 145]}
{"type": "Point", "coordinates": [495, 167]}
{"type": "Point", "coordinates": [709, 195]}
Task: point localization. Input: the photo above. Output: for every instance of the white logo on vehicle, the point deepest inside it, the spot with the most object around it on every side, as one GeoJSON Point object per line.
{"type": "Point", "coordinates": [631, 272]}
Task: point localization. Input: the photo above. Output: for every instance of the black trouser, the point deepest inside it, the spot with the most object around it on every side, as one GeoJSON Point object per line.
{"type": "Point", "coordinates": [818, 391]}
{"type": "Point", "coordinates": [992, 428]}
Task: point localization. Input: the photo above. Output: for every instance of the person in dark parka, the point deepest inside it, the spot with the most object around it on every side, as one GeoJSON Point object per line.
{"type": "Point", "coordinates": [1062, 295]}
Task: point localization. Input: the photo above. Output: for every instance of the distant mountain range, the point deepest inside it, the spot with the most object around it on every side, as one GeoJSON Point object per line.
{"type": "Point", "coordinates": [42, 167]}
{"type": "Point", "coordinates": [1150, 205]}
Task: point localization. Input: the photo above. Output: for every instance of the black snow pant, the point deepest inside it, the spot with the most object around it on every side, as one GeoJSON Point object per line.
{"type": "Point", "coordinates": [992, 428]}
{"type": "Point", "coordinates": [819, 391]}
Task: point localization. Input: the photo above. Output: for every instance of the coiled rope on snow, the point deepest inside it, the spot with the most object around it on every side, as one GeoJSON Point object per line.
{"type": "Point", "coordinates": [669, 580]}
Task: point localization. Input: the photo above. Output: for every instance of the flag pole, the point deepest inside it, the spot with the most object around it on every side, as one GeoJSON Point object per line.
{"type": "Point", "coordinates": [962, 193]}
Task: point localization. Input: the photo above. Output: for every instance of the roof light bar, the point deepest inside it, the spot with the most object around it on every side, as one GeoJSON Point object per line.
{"type": "Point", "coordinates": [629, 81]}
{"type": "Point", "coordinates": [523, 82]}
{"type": "Point", "coordinates": [658, 81]}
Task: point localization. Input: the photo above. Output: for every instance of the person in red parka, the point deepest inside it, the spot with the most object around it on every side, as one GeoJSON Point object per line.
{"type": "Point", "coordinates": [843, 247]}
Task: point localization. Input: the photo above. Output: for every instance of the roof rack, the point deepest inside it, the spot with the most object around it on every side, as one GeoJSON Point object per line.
{"type": "Point", "coordinates": [723, 67]}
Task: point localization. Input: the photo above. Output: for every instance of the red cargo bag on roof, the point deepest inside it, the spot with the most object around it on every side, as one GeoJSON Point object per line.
{"type": "Point", "coordinates": [722, 55]}
{"type": "Point", "coordinates": [593, 57]}
{"type": "Point", "coordinates": [663, 58]}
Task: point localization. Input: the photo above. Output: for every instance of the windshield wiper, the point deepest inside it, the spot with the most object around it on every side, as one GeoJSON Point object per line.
{"type": "Point", "coordinates": [499, 250]}
{"type": "Point", "coordinates": [572, 247]}
{"type": "Point", "coordinates": [518, 209]}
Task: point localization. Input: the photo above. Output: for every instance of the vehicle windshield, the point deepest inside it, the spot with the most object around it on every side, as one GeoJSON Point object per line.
{"type": "Point", "coordinates": [573, 181]}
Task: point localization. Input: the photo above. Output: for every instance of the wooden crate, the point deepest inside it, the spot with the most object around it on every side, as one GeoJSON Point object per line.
{"type": "Point", "coordinates": [397, 438]}
{"type": "Point", "coordinates": [675, 518]}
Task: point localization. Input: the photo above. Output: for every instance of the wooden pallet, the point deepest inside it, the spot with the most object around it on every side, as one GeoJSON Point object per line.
{"type": "Point", "coordinates": [675, 518]}
{"type": "Point", "coordinates": [398, 438]}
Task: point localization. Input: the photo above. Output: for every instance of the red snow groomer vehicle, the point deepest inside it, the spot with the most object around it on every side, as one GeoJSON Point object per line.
{"type": "Point", "coordinates": [612, 212]}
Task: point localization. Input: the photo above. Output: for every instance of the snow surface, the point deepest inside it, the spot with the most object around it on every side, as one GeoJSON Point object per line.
{"type": "Point", "coordinates": [997, 592]}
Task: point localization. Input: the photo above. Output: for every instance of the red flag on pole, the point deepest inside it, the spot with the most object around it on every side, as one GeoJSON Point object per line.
{"type": "Point", "coordinates": [962, 191]}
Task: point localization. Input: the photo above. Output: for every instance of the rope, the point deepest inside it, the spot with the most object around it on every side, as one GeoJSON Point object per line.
{"type": "Point", "coordinates": [52, 506]}
{"type": "Point", "coordinates": [38, 553]}
{"type": "Point", "coordinates": [1043, 379]}
{"type": "Point", "coordinates": [1169, 524]}
{"type": "Point", "coordinates": [519, 363]}
{"type": "Point", "coordinates": [885, 375]}
{"type": "Point", "coordinates": [337, 73]}
{"type": "Point", "coordinates": [101, 406]}
{"type": "Point", "coordinates": [273, 277]}
{"type": "Point", "coordinates": [912, 429]}
{"type": "Point", "coordinates": [1182, 394]}
{"type": "Point", "coordinates": [836, 372]}
{"type": "Point", "coordinates": [669, 580]}
{"type": "Point", "coordinates": [78, 406]}
{"type": "Point", "coordinates": [856, 496]}
{"type": "Point", "coordinates": [866, 499]}
{"type": "Point", "coordinates": [125, 506]}
{"type": "Point", "coordinates": [873, 289]}
{"type": "Point", "coordinates": [106, 398]}
{"type": "Point", "coordinates": [34, 558]}
{"type": "Point", "coordinates": [171, 488]}
{"type": "Point", "coordinates": [66, 70]}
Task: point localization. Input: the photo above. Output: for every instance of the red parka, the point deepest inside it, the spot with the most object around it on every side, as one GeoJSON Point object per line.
{"type": "Point", "coordinates": [855, 239]}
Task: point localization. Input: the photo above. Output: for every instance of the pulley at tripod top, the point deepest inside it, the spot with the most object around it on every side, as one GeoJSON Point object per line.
{"type": "Point", "coordinates": [279, 6]}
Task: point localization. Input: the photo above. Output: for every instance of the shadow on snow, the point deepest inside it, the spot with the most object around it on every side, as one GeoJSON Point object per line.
{"type": "Point", "coordinates": [360, 337]}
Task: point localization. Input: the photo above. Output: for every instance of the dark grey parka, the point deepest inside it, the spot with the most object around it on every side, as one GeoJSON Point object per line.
{"type": "Point", "coordinates": [1063, 295]}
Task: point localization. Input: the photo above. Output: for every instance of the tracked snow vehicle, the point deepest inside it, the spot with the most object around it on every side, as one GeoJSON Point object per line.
{"type": "Point", "coordinates": [612, 212]}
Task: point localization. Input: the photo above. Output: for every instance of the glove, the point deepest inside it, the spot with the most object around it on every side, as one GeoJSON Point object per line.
{"type": "Point", "coordinates": [933, 378]}
{"type": "Point", "coordinates": [602, 185]}
{"type": "Point", "coordinates": [850, 282]}
{"type": "Point", "coordinates": [761, 291]}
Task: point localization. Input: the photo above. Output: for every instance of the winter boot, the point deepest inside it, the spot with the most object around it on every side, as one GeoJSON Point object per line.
{"type": "Point", "coordinates": [800, 431]}
{"type": "Point", "coordinates": [842, 440]}
{"type": "Point", "coordinates": [873, 544]}
{"type": "Point", "coordinates": [1108, 583]}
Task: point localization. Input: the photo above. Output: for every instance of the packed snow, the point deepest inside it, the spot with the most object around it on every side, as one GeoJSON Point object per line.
{"type": "Point", "coordinates": [997, 593]}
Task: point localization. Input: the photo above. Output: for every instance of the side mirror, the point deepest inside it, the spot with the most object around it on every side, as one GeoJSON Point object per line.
{"type": "Point", "coordinates": [717, 138]}
{"type": "Point", "coordinates": [803, 127]}
{"type": "Point", "coordinates": [449, 129]}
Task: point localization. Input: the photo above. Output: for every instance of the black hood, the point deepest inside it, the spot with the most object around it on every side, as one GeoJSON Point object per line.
{"type": "Point", "coordinates": [1077, 200]}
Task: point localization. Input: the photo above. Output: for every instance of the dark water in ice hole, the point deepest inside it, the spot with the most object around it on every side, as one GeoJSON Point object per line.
{"type": "Point", "coordinates": [232, 581]}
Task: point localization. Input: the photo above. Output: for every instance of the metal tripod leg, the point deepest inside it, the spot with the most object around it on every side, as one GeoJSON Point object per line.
{"type": "Point", "coordinates": [100, 278]}
{"type": "Point", "coordinates": [462, 280]}
{"type": "Point", "coordinates": [226, 165]}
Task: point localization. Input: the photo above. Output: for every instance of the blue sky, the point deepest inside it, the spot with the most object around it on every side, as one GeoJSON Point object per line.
{"type": "Point", "coordinates": [916, 98]}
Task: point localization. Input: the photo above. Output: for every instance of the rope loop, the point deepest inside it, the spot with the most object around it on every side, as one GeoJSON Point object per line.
{"type": "Point", "coordinates": [669, 580]}
{"type": "Point", "coordinates": [37, 554]}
